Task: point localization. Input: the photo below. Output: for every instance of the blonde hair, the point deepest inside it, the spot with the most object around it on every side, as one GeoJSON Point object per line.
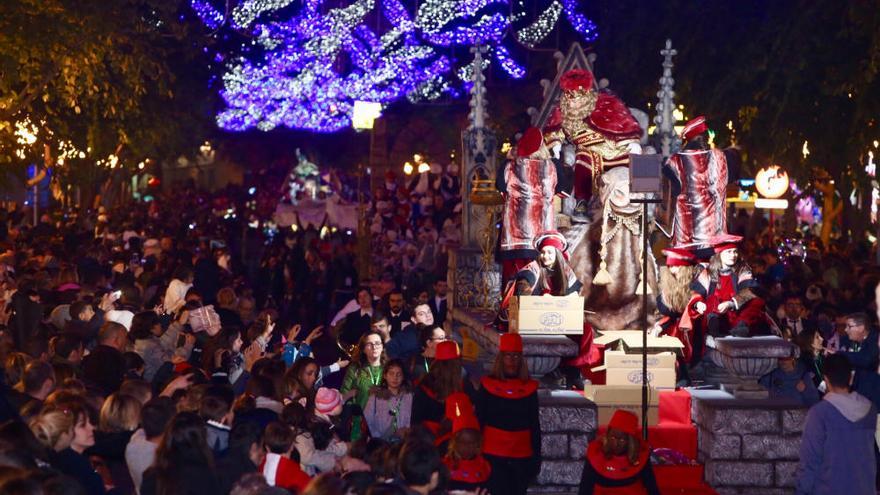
{"type": "Point", "coordinates": [49, 426]}
{"type": "Point", "coordinates": [120, 412]}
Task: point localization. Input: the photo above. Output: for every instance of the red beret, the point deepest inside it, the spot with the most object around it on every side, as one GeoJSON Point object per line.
{"type": "Point", "coordinates": [511, 342]}
{"type": "Point", "coordinates": [446, 351]}
{"type": "Point", "coordinates": [625, 421]}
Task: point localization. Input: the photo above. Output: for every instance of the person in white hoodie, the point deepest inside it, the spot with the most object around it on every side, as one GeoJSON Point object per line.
{"type": "Point", "coordinates": [837, 446]}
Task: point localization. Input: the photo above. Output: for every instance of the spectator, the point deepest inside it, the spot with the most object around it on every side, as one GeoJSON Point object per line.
{"type": "Point", "coordinates": [72, 460]}
{"type": "Point", "coordinates": [812, 354]}
{"type": "Point", "coordinates": [837, 445]}
{"type": "Point", "coordinates": [860, 347]}
{"type": "Point", "coordinates": [141, 449]}
{"type": "Point", "coordinates": [279, 466]}
{"type": "Point", "coordinates": [429, 338]}
{"type": "Point", "coordinates": [66, 349]}
{"type": "Point", "coordinates": [794, 319]}
{"type": "Point", "coordinates": [215, 408]}
{"type": "Point", "coordinates": [398, 317]}
{"type": "Point", "coordinates": [405, 344]}
{"type": "Point", "coordinates": [302, 381]}
{"type": "Point", "coordinates": [156, 345]}
{"type": "Point", "coordinates": [175, 295]}
{"type": "Point", "coordinates": [389, 406]}
{"type": "Point", "coordinates": [791, 380]}
{"type": "Point", "coordinates": [184, 463]}
{"type": "Point", "coordinates": [419, 467]}
{"type": "Point", "coordinates": [438, 302]}
{"type": "Point", "coordinates": [119, 418]}
{"type": "Point", "coordinates": [315, 454]}
{"type": "Point", "coordinates": [357, 323]}
{"type": "Point", "coordinates": [37, 382]}
{"type": "Point", "coordinates": [244, 456]}
{"type": "Point", "coordinates": [364, 374]}
{"type": "Point", "coordinates": [105, 366]}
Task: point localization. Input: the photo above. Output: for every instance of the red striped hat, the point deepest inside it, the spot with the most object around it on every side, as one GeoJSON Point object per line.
{"type": "Point", "coordinates": [694, 128]}
{"type": "Point", "coordinates": [551, 238]}
{"type": "Point", "coordinates": [530, 142]}
{"type": "Point", "coordinates": [723, 242]}
{"type": "Point", "coordinates": [679, 257]}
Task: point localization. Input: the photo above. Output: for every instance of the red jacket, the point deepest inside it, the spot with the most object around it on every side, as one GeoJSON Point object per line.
{"type": "Point", "coordinates": [285, 473]}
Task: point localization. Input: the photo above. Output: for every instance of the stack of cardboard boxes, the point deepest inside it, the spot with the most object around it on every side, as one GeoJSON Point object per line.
{"type": "Point", "coordinates": [623, 372]}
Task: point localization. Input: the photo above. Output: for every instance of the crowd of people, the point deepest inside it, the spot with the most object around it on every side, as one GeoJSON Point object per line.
{"type": "Point", "coordinates": [176, 347]}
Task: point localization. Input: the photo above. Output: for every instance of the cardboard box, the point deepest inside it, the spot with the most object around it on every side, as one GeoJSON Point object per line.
{"type": "Point", "coordinates": [609, 398]}
{"type": "Point", "coordinates": [620, 359]}
{"type": "Point", "coordinates": [547, 315]}
{"type": "Point", "coordinates": [630, 341]}
{"type": "Point", "coordinates": [657, 377]}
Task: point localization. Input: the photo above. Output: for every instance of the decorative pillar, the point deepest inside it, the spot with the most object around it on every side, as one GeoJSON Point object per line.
{"type": "Point", "coordinates": [665, 131]}
{"type": "Point", "coordinates": [475, 278]}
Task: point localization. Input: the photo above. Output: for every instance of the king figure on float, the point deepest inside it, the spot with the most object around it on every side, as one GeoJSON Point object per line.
{"type": "Point", "coordinates": [600, 126]}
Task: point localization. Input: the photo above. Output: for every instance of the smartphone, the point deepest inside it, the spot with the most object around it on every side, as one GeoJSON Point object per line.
{"type": "Point", "coordinates": [181, 340]}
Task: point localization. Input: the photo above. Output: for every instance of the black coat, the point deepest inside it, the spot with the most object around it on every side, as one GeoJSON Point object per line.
{"type": "Point", "coordinates": [190, 480]}
{"type": "Point", "coordinates": [78, 467]}
{"type": "Point", "coordinates": [438, 311]}
{"type": "Point", "coordinates": [110, 447]}
{"type": "Point", "coordinates": [231, 468]}
{"type": "Point", "coordinates": [354, 326]}
{"type": "Point", "coordinates": [105, 368]}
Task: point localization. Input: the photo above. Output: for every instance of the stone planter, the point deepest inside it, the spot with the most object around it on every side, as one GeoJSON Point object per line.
{"type": "Point", "coordinates": [748, 359]}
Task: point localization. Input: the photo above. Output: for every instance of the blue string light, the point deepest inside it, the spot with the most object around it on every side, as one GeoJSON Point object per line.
{"type": "Point", "coordinates": [509, 65]}
{"type": "Point", "coordinates": [304, 68]}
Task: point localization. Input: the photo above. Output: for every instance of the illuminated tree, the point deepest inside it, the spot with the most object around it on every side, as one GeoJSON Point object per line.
{"type": "Point", "coordinates": [304, 66]}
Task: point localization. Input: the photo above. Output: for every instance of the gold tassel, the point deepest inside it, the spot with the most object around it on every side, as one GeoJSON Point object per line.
{"type": "Point", "coordinates": [602, 276]}
{"type": "Point", "coordinates": [639, 290]}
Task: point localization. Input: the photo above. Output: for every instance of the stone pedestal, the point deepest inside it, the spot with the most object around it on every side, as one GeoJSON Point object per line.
{"type": "Point", "coordinates": [568, 423]}
{"type": "Point", "coordinates": [748, 446]}
{"type": "Point", "coordinates": [543, 353]}
{"type": "Point", "coordinates": [748, 359]}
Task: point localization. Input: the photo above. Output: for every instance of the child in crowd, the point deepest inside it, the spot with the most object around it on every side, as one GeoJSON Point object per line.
{"type": "Point", "coordinates": [791, 380]}
{"type": "Point", "coordinates": [281, 465]}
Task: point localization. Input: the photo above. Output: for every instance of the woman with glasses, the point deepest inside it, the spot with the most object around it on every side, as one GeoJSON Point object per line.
{"type": "Point", "coordinates": [429, 337]}
{"type": "Point", "coordinates": [364, 374]}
